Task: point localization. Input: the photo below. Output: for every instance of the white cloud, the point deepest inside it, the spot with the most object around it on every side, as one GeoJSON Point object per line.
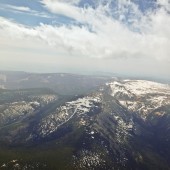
{"type": "Point", "coordinates": [73, 2]}
{"type": "Point", "coordinates": [165, 4]}
{"type": "Point", "coordinates": [19, 8]}
{"type": "Point", "coordinates": [100, 36]}
{"type": "Point", "coordinates": [25, 10]}
{"type": "Point", "coordinates": [15, 8]}
{"type": "Point", "coordinates": [112, 38]}
{"type": "Point", "coordinates": [63, 8]}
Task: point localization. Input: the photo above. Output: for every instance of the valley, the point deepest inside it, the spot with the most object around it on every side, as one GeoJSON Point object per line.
{"type": "Point", "coordinates": [121, 124]}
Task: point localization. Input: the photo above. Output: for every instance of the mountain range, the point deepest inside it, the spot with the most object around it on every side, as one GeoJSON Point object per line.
{"type": "Point", "coordinates": [66, 121]}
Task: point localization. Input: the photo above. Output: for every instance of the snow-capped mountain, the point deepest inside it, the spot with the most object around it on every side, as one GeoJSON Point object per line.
{"type": "Point", "coordinates": [141, 96]}
{"type": "Point", "coordinates": [123, 125]}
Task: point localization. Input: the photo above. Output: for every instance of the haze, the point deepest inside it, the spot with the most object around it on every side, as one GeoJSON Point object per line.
{"type": "Point", "coordinates": [80, 36]}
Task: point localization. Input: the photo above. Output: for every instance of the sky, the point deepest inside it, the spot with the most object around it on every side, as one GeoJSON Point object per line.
{"type": "Point", "coordinates": [130, 37]}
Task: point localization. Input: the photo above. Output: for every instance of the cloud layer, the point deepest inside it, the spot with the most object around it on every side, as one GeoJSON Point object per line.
{"type": "Point", "coordinates": [101, 31]}
{"type": "Point", "coordinates": [131, 34]}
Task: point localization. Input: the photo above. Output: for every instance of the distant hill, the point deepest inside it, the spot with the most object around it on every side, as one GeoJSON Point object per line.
{"type": "Point", "coordinates": [62, 83]}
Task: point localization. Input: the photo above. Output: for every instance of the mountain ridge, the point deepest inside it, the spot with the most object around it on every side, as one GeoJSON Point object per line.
{"type": "Point", "coordinates": [122, 125]}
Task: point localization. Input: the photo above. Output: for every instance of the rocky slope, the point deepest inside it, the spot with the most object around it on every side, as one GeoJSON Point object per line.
{"type": "Point", "coordinates": [143, 97]}
{"type": "Point", "coordinates": [123, 125]}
